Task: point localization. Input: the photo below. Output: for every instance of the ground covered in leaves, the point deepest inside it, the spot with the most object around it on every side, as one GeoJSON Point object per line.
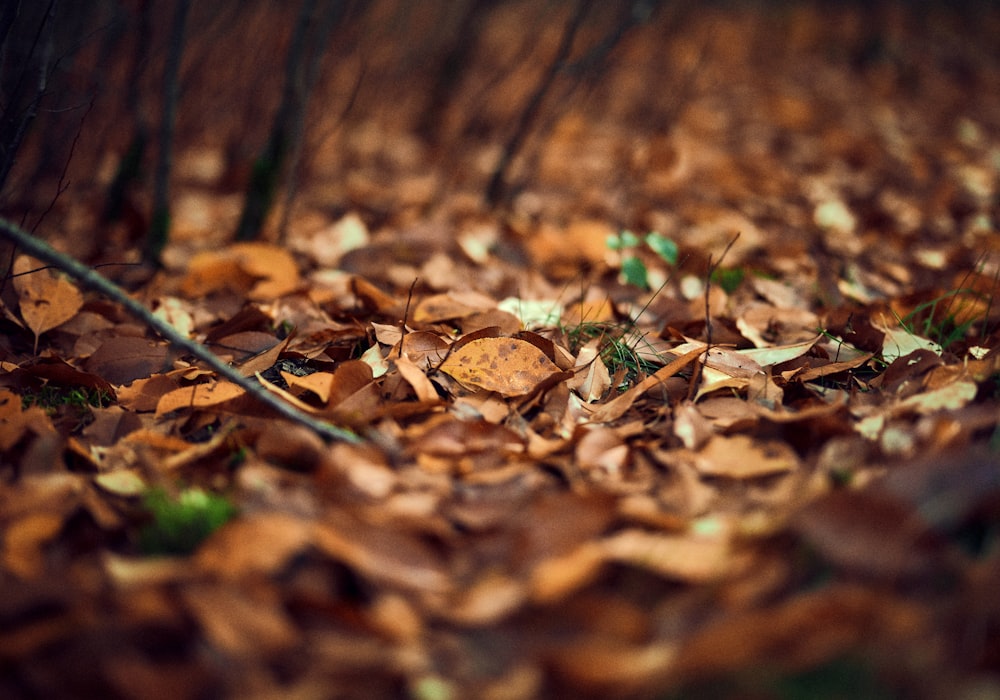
{"type": "Point", "coordinates": [752, 455]}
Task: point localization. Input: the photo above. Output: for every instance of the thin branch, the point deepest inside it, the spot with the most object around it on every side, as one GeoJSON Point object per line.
{"type": "Point", "coordinates": [709, 273]}
{"type": "Point", "coordinates": [495, 190]}
{"type": "Point", "coordinates": [92, 280]}
{"type": "Point", "coordinates": [159, 230]}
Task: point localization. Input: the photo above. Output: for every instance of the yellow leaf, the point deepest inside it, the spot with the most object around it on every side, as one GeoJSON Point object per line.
{"type": "Point", "coordinates": [508, 366]}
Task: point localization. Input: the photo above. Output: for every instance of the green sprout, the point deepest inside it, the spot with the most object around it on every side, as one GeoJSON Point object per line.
{"type": "Point", "coordinates": [73, 402]}
{"type": "Point", "coordinates": [618, 350]}
{"type": "Point", "coordinates": [180, 523]}
{"type": "Point", "coordinates": [938, 321]}
{"type": "Point", "coordinates": [53, 396]}
{"type": "Point", "coordinates": [729, 278]}
{"type": "Point", "coordinates": [633, 269]}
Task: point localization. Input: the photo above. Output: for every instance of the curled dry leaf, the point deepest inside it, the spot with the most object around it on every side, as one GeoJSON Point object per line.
{"type": "Point", "coordinates": [413, 375]}
{"type": "Point", "coordinates": [384, 555]}
{"type": "Point", "coordinates": [23, 542]}
{"type": "Point", "coordinates": [16, 422]}
{"type": "Point", "coordinates": [490, 599]}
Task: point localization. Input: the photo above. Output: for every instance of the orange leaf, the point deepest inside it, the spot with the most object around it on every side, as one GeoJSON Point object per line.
{"type": "Point", "coordinates": [198, 396]}
{"type": "Point", "coordinates": [261, 270]}
{"type": "Point", "coordinates": [508, 366]}
{"type": "Point", "coordinates": [46, 300]}
{"type": "Point", "coordinates": [319, 383]}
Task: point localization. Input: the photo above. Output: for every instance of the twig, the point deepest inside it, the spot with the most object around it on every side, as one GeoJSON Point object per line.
{"type": "Point", "coordinates": [712, 267]}
{"type": "Point", "coordinates": [496, 189]}
{"type": "Point", "coordinates": [96, 282]}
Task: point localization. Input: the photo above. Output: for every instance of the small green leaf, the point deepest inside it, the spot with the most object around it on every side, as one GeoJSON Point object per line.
{"type": "Point", "coordinates": [629, 239]}
{"type": "Point", "coordinates": [634, 272]}
{"type": "Point", "coordinates": [729, 278]}
{"type": "Point", "coordinates": [663, 246]}
{"type": "Point", "coordinates": [614, 241]}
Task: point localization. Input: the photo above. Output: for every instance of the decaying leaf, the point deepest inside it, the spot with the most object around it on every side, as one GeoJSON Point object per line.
{"type": "Point", "coordinates": [508, 366]}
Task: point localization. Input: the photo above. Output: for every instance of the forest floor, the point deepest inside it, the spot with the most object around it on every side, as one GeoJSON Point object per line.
{"type": "Point", "coordinates": [754, 454]}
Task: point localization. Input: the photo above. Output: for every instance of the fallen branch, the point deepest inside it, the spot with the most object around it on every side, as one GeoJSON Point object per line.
{"type": "Point", "coordinates": [96, 282]}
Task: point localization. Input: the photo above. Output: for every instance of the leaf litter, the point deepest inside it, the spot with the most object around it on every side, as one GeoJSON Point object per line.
{"type": "Point", "coordinates": [805, 475]}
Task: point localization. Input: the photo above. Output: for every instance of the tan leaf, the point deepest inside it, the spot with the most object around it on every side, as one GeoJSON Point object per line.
{"type": "Point", "coordinates": [416, 378]}
{"type": "Point", "coordinates": [385, 555]}
{"type": "Point", "coordinates": [46, 300]}
{"type": "Point", "coordinates": [124, 482]}
{"type": "Point", "coordinates": [198, 396]}
{"type": "Point", "coordinates": [260, 270]}
{"type": "Point", "coordinates": [24, 540]}
{"type": "Point", "coordinates": [685, 557]}
{"type": "Point", "coordinates": [489, 600]}
{"type": "Point", "coordinates": [616, 408]}
{"type": "Point", "coordinates": [240, 624]}
{"type": "Point", "coordinates": [741, 457]}
{"type": "Point", "coordinates": [254, 545]}
{"type": "Point", "coordinates": [508, 366]}
{"type": "Point", "coordinates": [319, 383]}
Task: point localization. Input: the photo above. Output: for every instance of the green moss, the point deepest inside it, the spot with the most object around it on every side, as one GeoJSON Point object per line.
{"type": "Point", "coordinates": [178, 524]}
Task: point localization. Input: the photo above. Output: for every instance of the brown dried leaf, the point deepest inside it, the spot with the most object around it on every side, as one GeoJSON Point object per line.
{"type": "Point", "coordinates": [15, 423]}
{"type": "Point", "coordinates": [240, 624]}
{"type": "Point", "coordinates": [258, 545]}
{"type": "Point", "coordinates": [685, 557]}
{"type": "Point", "coordinates": [46, 300]}
{"type": "Point", "coordinates": [413, 375]}
{"type": "Point", "coordinates": [24, 540]}
{"type": "Point", "coordinates": [319, 383]}
{"type": "Point", "coordinates": [742, 457]}
{"type": "Point", "coordinates": [384, 555]}
{"type": "Point", "coordinates": [260, 270]}
{"type": "Point", "coordinates": [490, 599]}
{"type": "Point", "coordinates": [198, 396]}
{"type": "Point", "coordinates": [508, 366]}
{"type": "Point", "coordinates": [617, 407]}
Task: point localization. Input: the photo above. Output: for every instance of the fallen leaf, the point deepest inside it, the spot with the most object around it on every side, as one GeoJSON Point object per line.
{"type": "Point", "coordinates": [46, 299]}
{"type": "Point", "coordinates": [742, 457]}
{"type": "Point", "coordinates": [260, 270]}
{"type": "Point", "coordinates": [124, 482]}
{"type": "Point", "coordinates": [684, 557]}
{"type": "Point", "coordinates": [244, 625]}
{"type": "Point", "coordinates": [508, 366]}
{"type": "Point", "coordinates": [198, 396]}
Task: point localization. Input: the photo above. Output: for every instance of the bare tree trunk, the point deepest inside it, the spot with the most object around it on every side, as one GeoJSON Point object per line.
{"type": "Point", "coordinates": [269, 164]}
{"type": "Point", "coordinates": [159, 228]}
{"type": "Point", "coordinates": [456, 60]}
{"type": "Point", "coordinates": [20, 102]}
{"type": "Point", "coordinates": [496, 190]}
{"type": "Point", "coordinates": [130, 166]}
{"type": "Point", "coordinates": [331, 16]}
